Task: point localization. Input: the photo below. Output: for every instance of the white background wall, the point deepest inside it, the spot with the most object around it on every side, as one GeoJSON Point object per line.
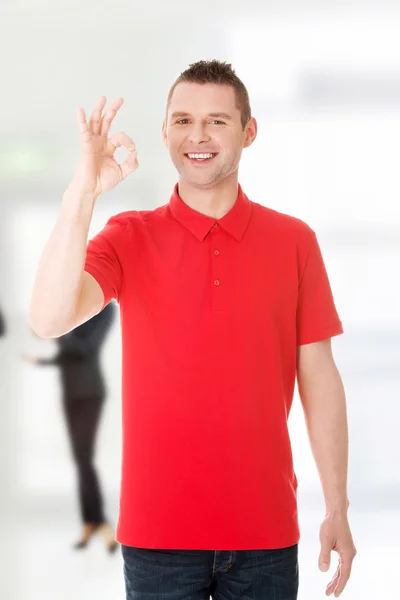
{"type": "Point", "coordinates": [324, 81]}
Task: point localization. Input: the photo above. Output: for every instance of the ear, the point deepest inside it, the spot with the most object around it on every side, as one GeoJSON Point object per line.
{"type": "Point", "coordinates": [250, 132]}
{"type": "Point", "coordinates": [164, 133]}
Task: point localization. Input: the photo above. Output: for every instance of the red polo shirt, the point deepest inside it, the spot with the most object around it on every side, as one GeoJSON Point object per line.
{"type": "Point", "coordinates": [211, 314]}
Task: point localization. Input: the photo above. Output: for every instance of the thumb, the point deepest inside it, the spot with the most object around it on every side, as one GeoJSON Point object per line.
{"type": "Point", "coordinates": [324, 560]}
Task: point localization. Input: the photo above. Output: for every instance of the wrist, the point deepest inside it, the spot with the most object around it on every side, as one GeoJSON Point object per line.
{"type": "Point", "coordinates": [83, 193]}
{"type": "Point", "coordinates": [337, 509]}
{"type": "Point", "coordinates": [77, 202]}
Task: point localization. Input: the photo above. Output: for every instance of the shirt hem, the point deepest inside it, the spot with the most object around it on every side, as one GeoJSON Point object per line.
{"type": "Point", "coordinates": [268, 544]}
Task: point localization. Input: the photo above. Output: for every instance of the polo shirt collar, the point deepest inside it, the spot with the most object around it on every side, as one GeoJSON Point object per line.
{"type": "Point", "coordinates": [234, 222]}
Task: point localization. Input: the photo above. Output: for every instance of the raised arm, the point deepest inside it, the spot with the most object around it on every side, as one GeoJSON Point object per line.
{"type": "Point", "coordinates": [64, 294]}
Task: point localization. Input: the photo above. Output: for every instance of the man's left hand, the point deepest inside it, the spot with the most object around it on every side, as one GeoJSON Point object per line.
{"type": "Point", "coordinates": [335, 535]}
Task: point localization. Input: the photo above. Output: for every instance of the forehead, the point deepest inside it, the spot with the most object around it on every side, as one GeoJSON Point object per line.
{"type": "Point", "coordinates": [203, 98]}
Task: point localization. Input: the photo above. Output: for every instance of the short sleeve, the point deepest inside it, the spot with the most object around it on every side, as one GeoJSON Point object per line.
{"type": "Point", "coordinates": [317, 317]}
{"type": "Point", "coordinates": [103, 257]}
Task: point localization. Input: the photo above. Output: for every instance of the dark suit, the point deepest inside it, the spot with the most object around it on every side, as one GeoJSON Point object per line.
{"type": "Point", "coordinates": [83, 397]}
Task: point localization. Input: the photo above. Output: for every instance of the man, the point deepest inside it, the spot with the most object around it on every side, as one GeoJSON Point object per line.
{"type": "Point", "coordinates": [222, 302]}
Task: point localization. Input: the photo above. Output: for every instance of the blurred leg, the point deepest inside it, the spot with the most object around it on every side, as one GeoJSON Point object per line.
{"type": "Point", "coordinates": [83, 416]}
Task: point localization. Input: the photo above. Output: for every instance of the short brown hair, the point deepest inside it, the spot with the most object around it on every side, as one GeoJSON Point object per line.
{"type": "Point", "coordinates": [215, 71]}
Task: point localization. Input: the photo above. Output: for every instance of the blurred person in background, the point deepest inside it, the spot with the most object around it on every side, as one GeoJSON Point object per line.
{"type": "Point", "coordinates": [2, 324]}
{"type": "Point", "coordinates": [83, 393]}
{"type": "Point", "coordinates": [223, 302]}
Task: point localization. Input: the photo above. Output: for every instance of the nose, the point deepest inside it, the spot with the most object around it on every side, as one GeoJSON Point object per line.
{"type": "Point", "coordinates": [198, 134]}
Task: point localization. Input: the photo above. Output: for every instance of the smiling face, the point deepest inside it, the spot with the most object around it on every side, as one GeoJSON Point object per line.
{"type": "Point", "coordinates": [204, 134]}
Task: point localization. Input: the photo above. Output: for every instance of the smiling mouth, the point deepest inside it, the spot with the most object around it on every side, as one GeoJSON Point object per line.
{"type": "Point", "coordinates": [200, 157]}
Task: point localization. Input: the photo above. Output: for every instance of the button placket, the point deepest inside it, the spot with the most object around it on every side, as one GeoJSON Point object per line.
{"type": "Point", "coordinates": [216, 265]}
{"type": "Point", "coordinates": [215, 252]}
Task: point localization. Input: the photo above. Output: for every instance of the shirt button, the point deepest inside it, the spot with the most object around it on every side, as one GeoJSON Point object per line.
{"type": "Point", "coordinates": [215, 225]}
{"type": "Point", "coordinates": [216, 252]}
{"type": "Point", "coordinates": [216, 282]}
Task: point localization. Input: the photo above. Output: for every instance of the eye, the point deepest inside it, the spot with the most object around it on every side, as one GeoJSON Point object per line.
{"type": "Point", "coordinates": [216, 121]}
{"type": "Point", "coordinates": [181, 121]}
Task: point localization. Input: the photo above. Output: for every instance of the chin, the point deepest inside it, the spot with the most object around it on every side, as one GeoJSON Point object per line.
{"type": "Point", "coordinates": [200, 178]}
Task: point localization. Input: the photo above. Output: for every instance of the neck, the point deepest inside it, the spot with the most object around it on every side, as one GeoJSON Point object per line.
{"type": "Point", "coordinates": [213, 202]}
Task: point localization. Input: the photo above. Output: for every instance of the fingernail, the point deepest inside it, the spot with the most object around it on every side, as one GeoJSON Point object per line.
{"type": "Point", "coordinates": [324, 567]}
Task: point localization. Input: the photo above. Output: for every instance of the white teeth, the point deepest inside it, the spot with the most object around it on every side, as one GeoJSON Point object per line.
{"type": "Point", "coordinates": [201, 156]}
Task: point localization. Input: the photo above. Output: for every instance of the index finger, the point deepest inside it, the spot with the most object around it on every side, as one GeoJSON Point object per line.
{"type": "Point", "coordinates": [109, 116]}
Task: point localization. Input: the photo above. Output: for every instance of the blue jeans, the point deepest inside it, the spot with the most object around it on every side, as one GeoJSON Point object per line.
{"type": "Point", "coordinates": [223, 575]}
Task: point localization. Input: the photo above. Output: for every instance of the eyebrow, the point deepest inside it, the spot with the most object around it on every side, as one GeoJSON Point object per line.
{"type": "Point", "coordinates": [221, 115]}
